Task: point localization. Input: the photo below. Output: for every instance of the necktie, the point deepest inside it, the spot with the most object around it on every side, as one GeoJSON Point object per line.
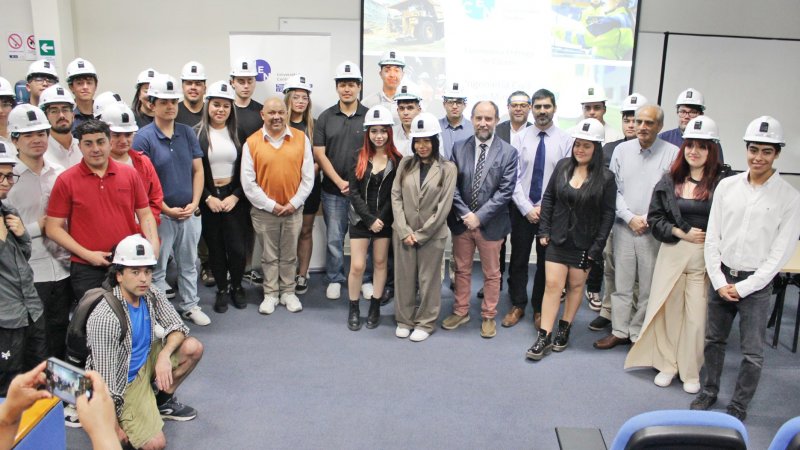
{"type": "Point", "coordinates": [476, 182]}
{"type": "Point", "coordinates": [538, 170]}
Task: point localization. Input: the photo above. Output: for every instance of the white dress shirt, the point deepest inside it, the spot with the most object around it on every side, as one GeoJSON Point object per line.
{"type": "Point", "coordinates": [64, 157]}
{"type": "Point", "coordinates": [402, 140]}
{"type": "Point", "coordinates": [258, 198]}
{"type": "Point", "coordinates": [558, 145]}
{"type": "Point", "coordinates": [751, 228]}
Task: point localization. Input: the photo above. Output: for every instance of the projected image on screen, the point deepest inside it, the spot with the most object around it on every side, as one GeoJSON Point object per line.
{"type": "Point", "coordinates": [496, 47]}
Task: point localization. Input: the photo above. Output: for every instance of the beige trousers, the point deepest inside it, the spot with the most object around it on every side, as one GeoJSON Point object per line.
{"type": "Point", "coordinates": [418, 266]}
{"type": "Point", "coordinates": [278, 237]}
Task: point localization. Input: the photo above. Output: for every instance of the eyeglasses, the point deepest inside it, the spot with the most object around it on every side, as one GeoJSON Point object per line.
{"type": "Point", "coordinates": [6, 105]}
{"type": "Point", "coordinates": [454, 102]}
{"type": "Point", "coordinates": [10, 177]}
{"type": "Point", "coordinates": [44, 80]}
{"type": "Point", "coordinates": [519, 105]}
{"type": "Point", "coordinates": [56, 111]}
{"type": "Point", "coordinates": [688, 113]}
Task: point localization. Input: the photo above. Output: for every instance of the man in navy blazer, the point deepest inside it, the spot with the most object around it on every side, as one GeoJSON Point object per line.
{"type": "Point", "coordinates": [487, 174]}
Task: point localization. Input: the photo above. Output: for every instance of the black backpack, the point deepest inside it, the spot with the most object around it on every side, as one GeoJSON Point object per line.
{"type": "Point", "coordinates": [77, 351]}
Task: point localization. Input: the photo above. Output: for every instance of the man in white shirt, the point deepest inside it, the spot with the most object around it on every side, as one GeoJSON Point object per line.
{"type": "Point", "coordinates": [408, 108]}
{"type": "Point", "coordinates": [57, 104]}
{"type": "Point", "coordinates": [392, 66]}
{"type": "Point", "coordinates": [593, 104]}
{"type": "Point", "coordinates": [752, 233]}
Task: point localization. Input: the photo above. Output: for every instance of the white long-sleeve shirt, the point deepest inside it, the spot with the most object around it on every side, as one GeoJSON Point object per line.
{"type": "Point", "coordinates": [751, 228]}
{"type": "Point", "coordinates": [258, 198]}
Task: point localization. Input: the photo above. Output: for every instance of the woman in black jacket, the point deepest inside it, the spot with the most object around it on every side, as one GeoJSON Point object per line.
{"type": "Point", "coordinates": [224, 207]}
{"type": "Point", "coordinates": [576, 218]}
{"type": "Point", "coordinates": [673, 332]}
{"type": "Point", "coordinates": [371, 212]}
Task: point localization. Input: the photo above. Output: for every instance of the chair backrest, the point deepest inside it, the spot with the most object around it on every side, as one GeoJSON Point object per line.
{"type": "Point", "coordinates": [681, 429]}
{"type": "Point", "coordinates": [788, 436]}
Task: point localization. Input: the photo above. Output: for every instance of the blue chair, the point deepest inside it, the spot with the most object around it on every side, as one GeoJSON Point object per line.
{"type": "Point", "coordinates": [681, 429]}
{"type": "Point", "coordinates": [788, 436]}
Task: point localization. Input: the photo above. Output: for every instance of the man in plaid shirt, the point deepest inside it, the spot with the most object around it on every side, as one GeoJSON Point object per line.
{"type": "Point", "coordinates": [146, 354]}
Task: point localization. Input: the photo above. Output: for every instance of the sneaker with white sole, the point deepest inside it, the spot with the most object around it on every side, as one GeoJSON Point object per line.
{"type": "Point", "coordinates": [170, 293]}
{"type": "Point", "coordinates": [291, 302]}
{"type": "Point", "coordinates": [401, 332]}
{"type": "Point", "coordinates": [268, 305]}
{"type": "Point", "coordinates": [334, 291]}
{"type": "Point", "coordinates": [301, 284]}
{"type": "Point", "coordinates": [172, 409]}
{"type": "Point", "coordinates": [691, 387]}
{"type": "Point", "coordinates": [419, 335]}
{"type": "Point", "coordinates": [197, 316]}
{"type": "Point", "coordinates": [663, 379]}
{"type": "Point", "coordinates": [367, 290]}
{"type": "Point", "coordinates": [595, 302]}
{"type": "Point", "coordinates": [71, 417]}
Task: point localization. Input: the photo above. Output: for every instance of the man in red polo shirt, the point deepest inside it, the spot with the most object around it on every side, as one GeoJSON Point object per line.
{"type": "Point", "coordinates": [101, 201]}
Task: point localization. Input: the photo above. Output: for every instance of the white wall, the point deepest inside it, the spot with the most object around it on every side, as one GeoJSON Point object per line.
{"type": "Point", "coordinates": [15, 17]}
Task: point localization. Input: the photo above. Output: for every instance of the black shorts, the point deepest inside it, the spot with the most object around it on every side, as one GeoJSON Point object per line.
{"type": "Point", "coordinates": [311, 206]}
{"type": "Point", "coordinates": [21, 349]}
{"type": "Point", "coordinates": [360, 231]}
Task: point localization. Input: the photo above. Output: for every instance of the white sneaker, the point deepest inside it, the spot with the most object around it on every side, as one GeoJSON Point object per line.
{"type": "Point", "coordinates": [401, 332]}
{"type": "Point", "coordinates": [334, 291]}
{"type": "Point", "coordinates": [71, 417]}
{"type": "Point", "coordinates": [691, 388]}
{"type": "Point", "coordinates": [268, 305]}
{"type": "Point", "coordinates": [197, 316]}
{"type": "Point", "coordinates": [367, 290]}
{"type": "Point", "coordinates": [663, 379]}
{"type": "Point", "coordinates": [292, 302]}
{"type": "Point", "coordinates": [419, 335]}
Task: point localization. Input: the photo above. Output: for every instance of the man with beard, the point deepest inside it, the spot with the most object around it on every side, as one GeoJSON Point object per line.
{"type": "Point", "coordinates": [487, 173]}
{"type": "Point", "coordinates": [193, 81]}
{"type": "Point", "coordinates": [62, 149]}
{"type": "Point", "coordinates": [540, 148]}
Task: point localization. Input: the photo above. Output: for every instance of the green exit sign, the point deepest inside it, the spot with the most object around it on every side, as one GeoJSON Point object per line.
{"type": "Point", "coordinates": [47, 47]}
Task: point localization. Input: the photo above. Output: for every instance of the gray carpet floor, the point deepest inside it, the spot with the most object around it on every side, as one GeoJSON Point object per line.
{"type": "Point", "coordinates": [304, 380]}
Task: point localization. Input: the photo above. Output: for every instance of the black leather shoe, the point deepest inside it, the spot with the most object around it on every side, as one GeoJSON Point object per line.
{"type": "Point", "coordinates": [374, 314]}
{"type": "Point", "coordinates": [541, 347]}
{"type": "Point", "coordinates": [388, 295]}
{"type": "Point", "coordinates": [238, 297]}
{"type": "Point", "coordinates": [599, 323]}
{"type": "Point", "coordinates": [562, 336]}
{"type": "Point", "coordinates": [221, 302]}
{"type": "Point", "coordinates": [354, 318]}
{"type": "Point", "coordinates": [703, 402]}
{"type": "Point", "coordinates": [736, 412]}
{"type": "Point", "coordinates": [480, 293]}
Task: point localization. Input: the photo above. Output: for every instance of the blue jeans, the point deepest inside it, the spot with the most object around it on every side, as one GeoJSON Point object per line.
{"type": "Point", "coordinates": [335, 210]}
{"type": "Point", "coordinates": [753, 313]}
{"type": "Point", "coordinates": [179, 239]}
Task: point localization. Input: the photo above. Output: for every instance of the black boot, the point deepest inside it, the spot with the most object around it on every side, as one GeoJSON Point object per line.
{"type": "Point", "coordinates": [221, 302]}
{"type": "Point", "coordinates": [374, 314]}
{"type": "Point", "coordinates": [354, 318]}
{"type": "Point", "coordinates": [562, 336]}
{"type": "Point", "coordinates": [541, 347]}
{"type": "Point", "coordinates": [238, 297]}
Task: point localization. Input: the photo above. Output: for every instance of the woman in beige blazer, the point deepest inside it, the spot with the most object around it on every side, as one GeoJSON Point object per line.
{"type": "Point", "coordinates": [422, 195]}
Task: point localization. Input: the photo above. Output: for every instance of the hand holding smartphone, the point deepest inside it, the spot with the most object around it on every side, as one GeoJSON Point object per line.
{"type": "Point", "coordinates": [66, 381]}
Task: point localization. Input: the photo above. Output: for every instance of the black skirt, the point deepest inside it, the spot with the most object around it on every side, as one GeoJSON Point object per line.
{"type": "Point", "coordinates": [568, 255]}
{"type": "Point", "coordinates": [360, 231]}
{"type": "Point", "coordinates": [311, 206]}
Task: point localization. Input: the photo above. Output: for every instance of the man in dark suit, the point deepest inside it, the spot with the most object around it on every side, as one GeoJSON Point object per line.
{"type": "Point", "coordinates": [487, 174]}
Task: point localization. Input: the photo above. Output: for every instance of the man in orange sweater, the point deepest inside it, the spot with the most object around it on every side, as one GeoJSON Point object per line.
{"type": "Point", "coordinates": [277, 176]}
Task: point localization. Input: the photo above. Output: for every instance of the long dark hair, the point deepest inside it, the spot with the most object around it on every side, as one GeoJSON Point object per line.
{"type": "Point", "coordinates": [415, 160]}
{"type": "Point", "coordinates": [368, 151]}
{"type": "Point", "coordinates": [230, 123]}
{"type": "Point", "coordinates": [593, 194]}
{"type": "Point", "coordinates": [680, 171]}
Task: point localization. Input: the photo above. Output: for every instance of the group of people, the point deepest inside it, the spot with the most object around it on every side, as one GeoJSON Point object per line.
{"type": "Point", "coordinates": [107, 195]}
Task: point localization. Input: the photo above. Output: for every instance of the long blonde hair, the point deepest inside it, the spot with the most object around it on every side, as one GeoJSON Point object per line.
{"type": "Point", "coordinates": [308, 117]}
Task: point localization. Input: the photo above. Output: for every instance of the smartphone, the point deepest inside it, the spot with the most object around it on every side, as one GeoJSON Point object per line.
{"type": "Point", "coordinates": [66, 381]}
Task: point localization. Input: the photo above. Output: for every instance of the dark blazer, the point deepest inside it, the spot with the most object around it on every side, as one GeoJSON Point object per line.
{"type": "Point", "coordinates": [494, 194]}
{"type": "Point", "coordinates": [503, 130]}
{"type": "Point", "coordinates": [209, 179]}
{"type": "Point", "coordinates": [359, 211]}
{"type": "Point", "coordinates": [587, 225]}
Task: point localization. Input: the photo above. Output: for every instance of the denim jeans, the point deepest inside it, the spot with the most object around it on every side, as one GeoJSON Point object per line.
{"type": "Point", "coordinates": [179, 239]}
{"type": "Point", "coordinates": [335, 210]}
{"type": "Point", "coordinates": [753, 313]}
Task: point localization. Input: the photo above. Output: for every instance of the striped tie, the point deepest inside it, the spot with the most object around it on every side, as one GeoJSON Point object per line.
{"type": "Point", "coordinates": [476, 182]}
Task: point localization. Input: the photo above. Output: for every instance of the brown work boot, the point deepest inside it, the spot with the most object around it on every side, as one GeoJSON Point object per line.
{"type": "Point", "coordinates": [513, 316]}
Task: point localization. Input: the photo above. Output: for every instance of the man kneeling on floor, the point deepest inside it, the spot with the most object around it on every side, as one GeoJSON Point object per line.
{"type": "Point", "coordinates": [130, 365]}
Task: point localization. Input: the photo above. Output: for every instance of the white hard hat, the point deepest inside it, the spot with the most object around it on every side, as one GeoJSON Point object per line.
{"type": "Point", "coordinates": [244, 67]}
{"type": "Point", "coordinates": [764, 129]}
{"type": "Point", "coordinates": [348, 71]}
{"type": "Point", "coordinates": [425, 125]}
{"type": "Point", "coordinates": [633, 102]}
{"type": "Point", "coordinates": [5, 154]}
{"type": "Point", "coordinates": [120, 118]}
{"type": "Point", "coordinates": [134, 251]}
{"type": "Point", "coordinates": [146, 76]}
{"type": "Point", "coordinates": [454, 90]}
{"type": "Point", "coordinates": [691, 97]}
{"type": "Point", "coordinates": [590, 130]}
{"type": "Point", "coordinates": [42, 67]}
{"type": "Point", "coordinates": [220, 89]}
{"type": "Point", "coordinates": [593, 94]}
{"type": "Point", "coordinates": [56, 94]}
{"type": "Point", "coordinates": [406, 92]}
{"type": "Point", "coordinates": [392, 58]}
{"type": "Point", "coordinates": [26, 118]}
{"type": "Point", "coordinates": [701, 127]}
{"type": "Point", "coordinates": [6, 89]}
{"type": "Point", "coordinates": [193, 70]}
{"type": "Point", "coordinates": [78, 67]}
{"type": "Point", "coordinates": [164, 86]}
{"type": "Point", "coordinates": [378, 115]}
{"type": "Point", "coordinates": [298, 82]}
{"type": "Point", "coordinates": [105, 100]}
